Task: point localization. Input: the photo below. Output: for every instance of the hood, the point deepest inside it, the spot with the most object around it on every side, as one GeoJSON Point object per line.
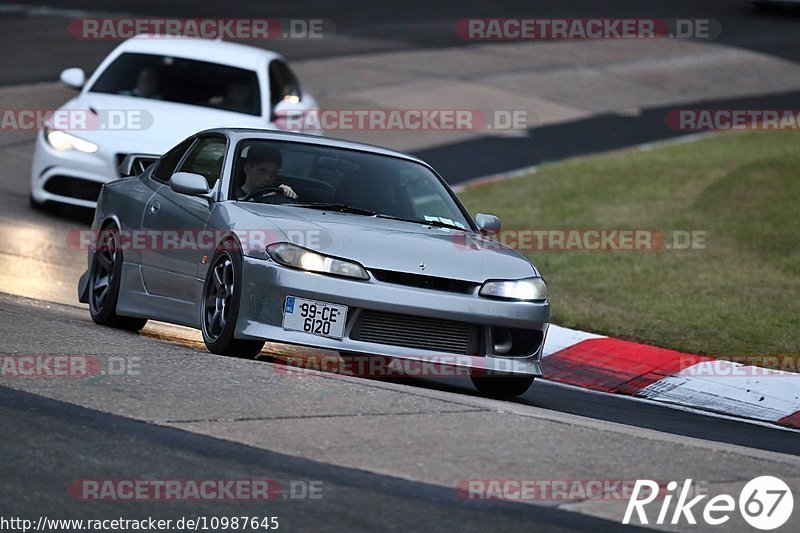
{"type": "Point", "coordinates": [150, 126]}
{"type": "Point", "coordinates": [388, 244]}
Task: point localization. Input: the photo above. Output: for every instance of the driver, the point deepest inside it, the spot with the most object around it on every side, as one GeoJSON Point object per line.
{"type": "Point", "coordinates": [261, 171]}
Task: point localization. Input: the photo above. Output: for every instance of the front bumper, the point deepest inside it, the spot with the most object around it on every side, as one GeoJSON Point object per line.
{"type": "Point", "coordinates": [266, 285]}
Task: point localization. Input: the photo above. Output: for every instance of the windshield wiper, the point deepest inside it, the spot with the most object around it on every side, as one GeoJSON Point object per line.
{"type": "Point", "coordinates": [344, 208]}
{"type": "Point", "coordinates": [437, 223]}
{"type": "Point", "coordinates": [341, 208]}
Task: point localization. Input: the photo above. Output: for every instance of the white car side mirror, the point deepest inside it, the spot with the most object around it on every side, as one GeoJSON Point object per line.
{"type": "Point", "coordinates": [74, 78]}
{"type": "Point", "coordinates": [291, 116]}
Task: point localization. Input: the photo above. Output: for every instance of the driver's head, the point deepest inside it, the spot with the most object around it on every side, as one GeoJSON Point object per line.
{"type": "Point", "coordinates": [237, 92]}
{"type": "Point", "coordinates": [262, 166]}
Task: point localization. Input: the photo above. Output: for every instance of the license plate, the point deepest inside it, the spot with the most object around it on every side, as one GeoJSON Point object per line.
{"type": "Point", "coordinates": [318, 318]}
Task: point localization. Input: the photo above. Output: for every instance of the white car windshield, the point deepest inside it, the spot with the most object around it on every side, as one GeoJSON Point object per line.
{"type": "Point", "coordinates": [184, 81]}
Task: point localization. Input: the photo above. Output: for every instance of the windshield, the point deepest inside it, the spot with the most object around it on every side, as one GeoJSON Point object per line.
{"type": "Point", "coordinates": [351, 181]}
{"type": "Point", "coordinates": [184, 81]}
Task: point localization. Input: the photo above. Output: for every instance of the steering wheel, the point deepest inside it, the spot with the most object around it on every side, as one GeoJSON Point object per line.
{"type": "Point", "coordinates": [265, 191]}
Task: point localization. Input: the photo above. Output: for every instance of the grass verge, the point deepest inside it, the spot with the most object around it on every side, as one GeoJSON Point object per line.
{"type": "Point", "coordinates": [739, 295]}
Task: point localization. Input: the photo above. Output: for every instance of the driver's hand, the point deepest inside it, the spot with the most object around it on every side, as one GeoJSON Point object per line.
{"type": "Point", "coordinates": [287, 191]}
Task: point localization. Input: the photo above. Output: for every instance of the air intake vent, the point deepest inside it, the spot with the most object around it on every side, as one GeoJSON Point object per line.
{"type": "Point", "coordinates": [416, 332]}
{"type": "Point", "coordinates": [74, 188]}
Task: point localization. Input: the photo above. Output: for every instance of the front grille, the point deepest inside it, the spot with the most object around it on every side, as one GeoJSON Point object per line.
{"type": "Point", "coordinates": [74, 188]}
{"type": "Point", "coordinates": [416, 332]}
{"type": "Point", "coordinates": [424, 282]}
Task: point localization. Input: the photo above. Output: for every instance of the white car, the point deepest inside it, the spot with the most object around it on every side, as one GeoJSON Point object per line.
{"type": "Point", "coordinates": [148, 95]}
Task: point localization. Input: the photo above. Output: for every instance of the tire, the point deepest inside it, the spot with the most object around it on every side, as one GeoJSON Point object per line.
{"type": "Point", "coordinates": [219, 307]}
{"type": "Point", "coordinates": [504, 386]}
{"type": "Point", "coordinates": [104, 280]}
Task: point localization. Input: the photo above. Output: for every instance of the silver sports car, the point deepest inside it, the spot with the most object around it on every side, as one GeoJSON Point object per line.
{"type": "Point", "coordinates": [254, 235]}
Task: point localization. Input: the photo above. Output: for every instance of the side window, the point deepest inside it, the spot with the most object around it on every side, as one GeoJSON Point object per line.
{"type": "Point", "coordinates": [282, 83]}
{"type": "Point", "coordinates": [205, 158]}
{"type": "Point", "coordinates": [166, 166]}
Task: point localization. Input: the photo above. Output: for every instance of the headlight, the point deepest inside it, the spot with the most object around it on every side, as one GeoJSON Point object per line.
{"type": "Point", "coordinates": [294, 256]}
{"type": "Point", "coordinates": [61, 141]}
{"type": "Point", "coordinates": [523, 289]}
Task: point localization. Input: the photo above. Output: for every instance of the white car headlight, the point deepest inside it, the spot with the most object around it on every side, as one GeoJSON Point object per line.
{"type": "Point", "coordinates": [294, 256]}
{"type": "Point", "coordinates": [523, 289]}
{"type": "Point", "coordinates": [61, 141]}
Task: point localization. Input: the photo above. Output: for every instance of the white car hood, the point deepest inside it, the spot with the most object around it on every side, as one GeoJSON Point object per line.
{"type": "Point", "coordinates": [162, 124]}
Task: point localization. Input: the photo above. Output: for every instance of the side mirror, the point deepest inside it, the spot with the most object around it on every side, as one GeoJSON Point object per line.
{"type": "Point", "coordinates": [290, 116]}
{"type": "Point", "coordinates": [135, 164]}
{"type": "Point", "coordinates": [189, 183]}
{"type": "Point", "coordinates": [487, 224]}
{"type": "Point", "coordinates": [74, 78]}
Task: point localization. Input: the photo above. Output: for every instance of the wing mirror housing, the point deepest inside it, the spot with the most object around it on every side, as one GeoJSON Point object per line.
{"type": "Point", "coordinates": [74, 78]}
{"type": "Point", "coordinates": [291, 116]}
{"type": "Point", "coordinates": [190, 184]}
{"type": "Point", "coordinates": [487, 224]}
{"type": "Point", "coordinates": [135, 164]}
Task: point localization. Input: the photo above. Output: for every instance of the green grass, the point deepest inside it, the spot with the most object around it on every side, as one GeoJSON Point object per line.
{"type": "Point", "coordinates": [738, 296]}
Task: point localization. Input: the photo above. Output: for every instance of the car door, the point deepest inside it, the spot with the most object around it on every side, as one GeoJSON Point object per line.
{"type": "Point", "coordinates": [176, 221]}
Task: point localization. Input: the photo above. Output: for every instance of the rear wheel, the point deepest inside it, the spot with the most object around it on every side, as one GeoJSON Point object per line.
{"type": "Point", "coordinates": [104, 280]}
{"type": "Point", "coordinates": [221, 298]}
{"type": "Point", "coordinates": [503, 386]}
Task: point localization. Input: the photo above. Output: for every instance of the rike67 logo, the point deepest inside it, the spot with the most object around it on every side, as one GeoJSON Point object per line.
{"type": "Point", "coordinates": [765, 503]}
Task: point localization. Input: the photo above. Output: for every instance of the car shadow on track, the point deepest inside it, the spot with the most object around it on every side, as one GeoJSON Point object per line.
{"type": "Point", "coordinates": [60, 213]}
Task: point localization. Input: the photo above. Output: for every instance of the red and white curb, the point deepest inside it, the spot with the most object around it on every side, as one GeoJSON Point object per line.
{"type": "Point", "coordinates": [621, 367]}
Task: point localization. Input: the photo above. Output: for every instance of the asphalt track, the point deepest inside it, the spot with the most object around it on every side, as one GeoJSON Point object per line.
{"type": "Point", "coordinates": [82, 440]}
{"type": "Point", "coordinates": [387, 453]}
{"type": "Point", "coordinates": [196, 418]}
